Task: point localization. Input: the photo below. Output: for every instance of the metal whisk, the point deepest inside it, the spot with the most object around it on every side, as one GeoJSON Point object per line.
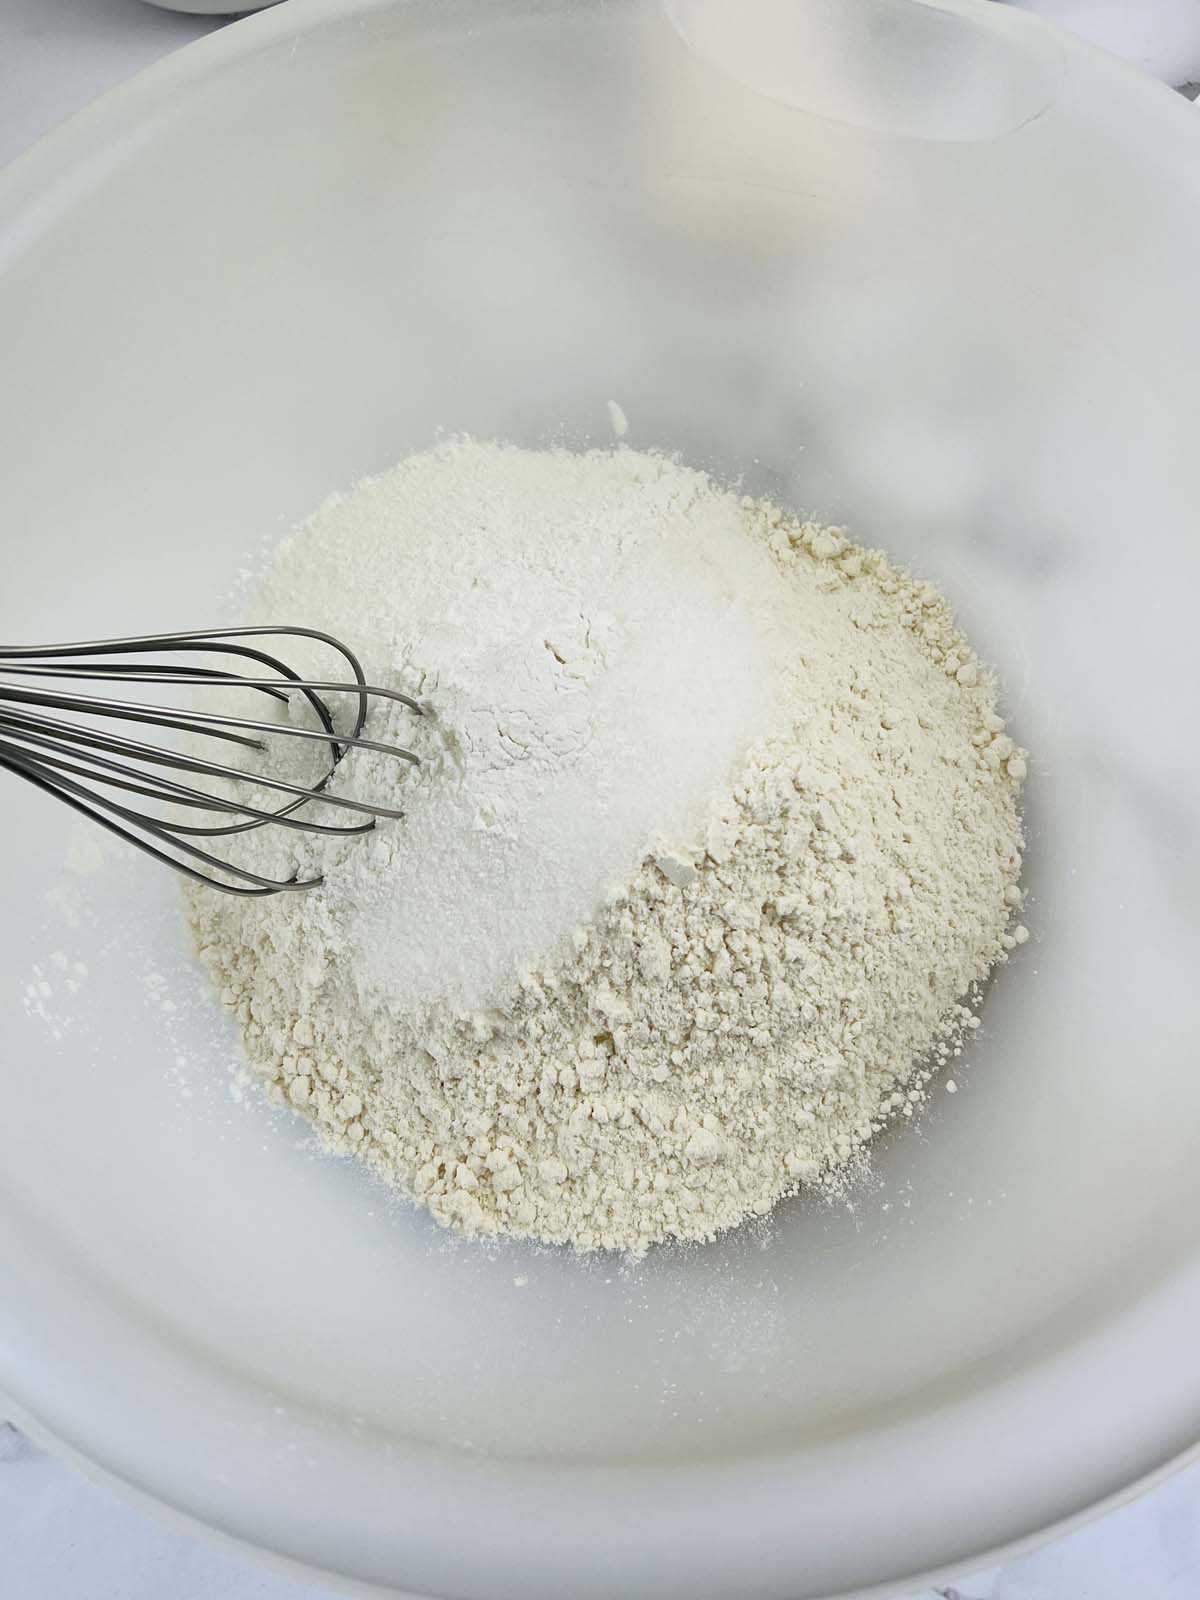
{"type": "Point", "coordinates": [66, 742]}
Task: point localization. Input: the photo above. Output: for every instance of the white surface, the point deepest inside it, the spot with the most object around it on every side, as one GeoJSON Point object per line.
{"type": "Point", "coordinates": [1161, 35]}
{"type": "Point", "coordinates": [1152, 1550]}
{"type": "Point", "coordinates": [56, 55]}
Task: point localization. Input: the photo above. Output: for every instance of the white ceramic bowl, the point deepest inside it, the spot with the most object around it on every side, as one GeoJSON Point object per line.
{"type": "Point", "coordinates": [927, 267]}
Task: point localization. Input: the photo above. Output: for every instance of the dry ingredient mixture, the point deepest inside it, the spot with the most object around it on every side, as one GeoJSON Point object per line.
{"type": "Point", "coordinates": [715, 835]}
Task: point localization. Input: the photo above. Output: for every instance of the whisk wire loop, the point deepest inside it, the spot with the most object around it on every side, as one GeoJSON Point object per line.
{"type": "Point", "coordinates": [66, 742]}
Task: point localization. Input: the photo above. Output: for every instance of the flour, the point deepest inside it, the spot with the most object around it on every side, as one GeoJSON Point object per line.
{"type": "Point", "coordinates": [714, 833]}
{"type": "Point", "coordinates": [594, 635]}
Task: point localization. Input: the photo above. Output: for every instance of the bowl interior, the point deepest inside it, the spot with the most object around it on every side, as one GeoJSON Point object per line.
{"type": "Point", "coordinates": [306, 250]}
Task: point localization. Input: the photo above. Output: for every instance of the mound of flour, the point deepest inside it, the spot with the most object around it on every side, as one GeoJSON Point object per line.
{"type": "Point", "coordinates": [714, 832]}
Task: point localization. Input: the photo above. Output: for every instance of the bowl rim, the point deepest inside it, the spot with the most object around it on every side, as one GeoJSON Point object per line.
{"type": "Point", "coordinates": [278, 1561]}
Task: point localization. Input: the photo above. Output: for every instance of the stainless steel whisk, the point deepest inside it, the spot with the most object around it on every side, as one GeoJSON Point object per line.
{"type": "Point", "coordinates": [65, 742]}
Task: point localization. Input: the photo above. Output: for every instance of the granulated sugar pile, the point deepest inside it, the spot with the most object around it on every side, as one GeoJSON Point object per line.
{"type": "Point", "coordinates": [714, 834]}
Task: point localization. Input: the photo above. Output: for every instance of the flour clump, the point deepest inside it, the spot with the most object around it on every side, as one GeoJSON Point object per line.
{"type": "Point", "coordinates": [715, 833]}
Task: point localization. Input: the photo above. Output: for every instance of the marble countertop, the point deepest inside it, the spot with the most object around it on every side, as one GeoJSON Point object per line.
{"type": "Point", "coordinates": [63, 1537]}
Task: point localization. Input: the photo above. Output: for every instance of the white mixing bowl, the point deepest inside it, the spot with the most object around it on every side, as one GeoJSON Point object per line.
{"type": "Point", "coordinates": [926, 266]}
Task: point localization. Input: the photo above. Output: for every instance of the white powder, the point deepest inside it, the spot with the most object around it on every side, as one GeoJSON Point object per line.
{"type": "Point", "coordinates": [595, 636]}
{"type": "Point", "coordinates": [715, 830]}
